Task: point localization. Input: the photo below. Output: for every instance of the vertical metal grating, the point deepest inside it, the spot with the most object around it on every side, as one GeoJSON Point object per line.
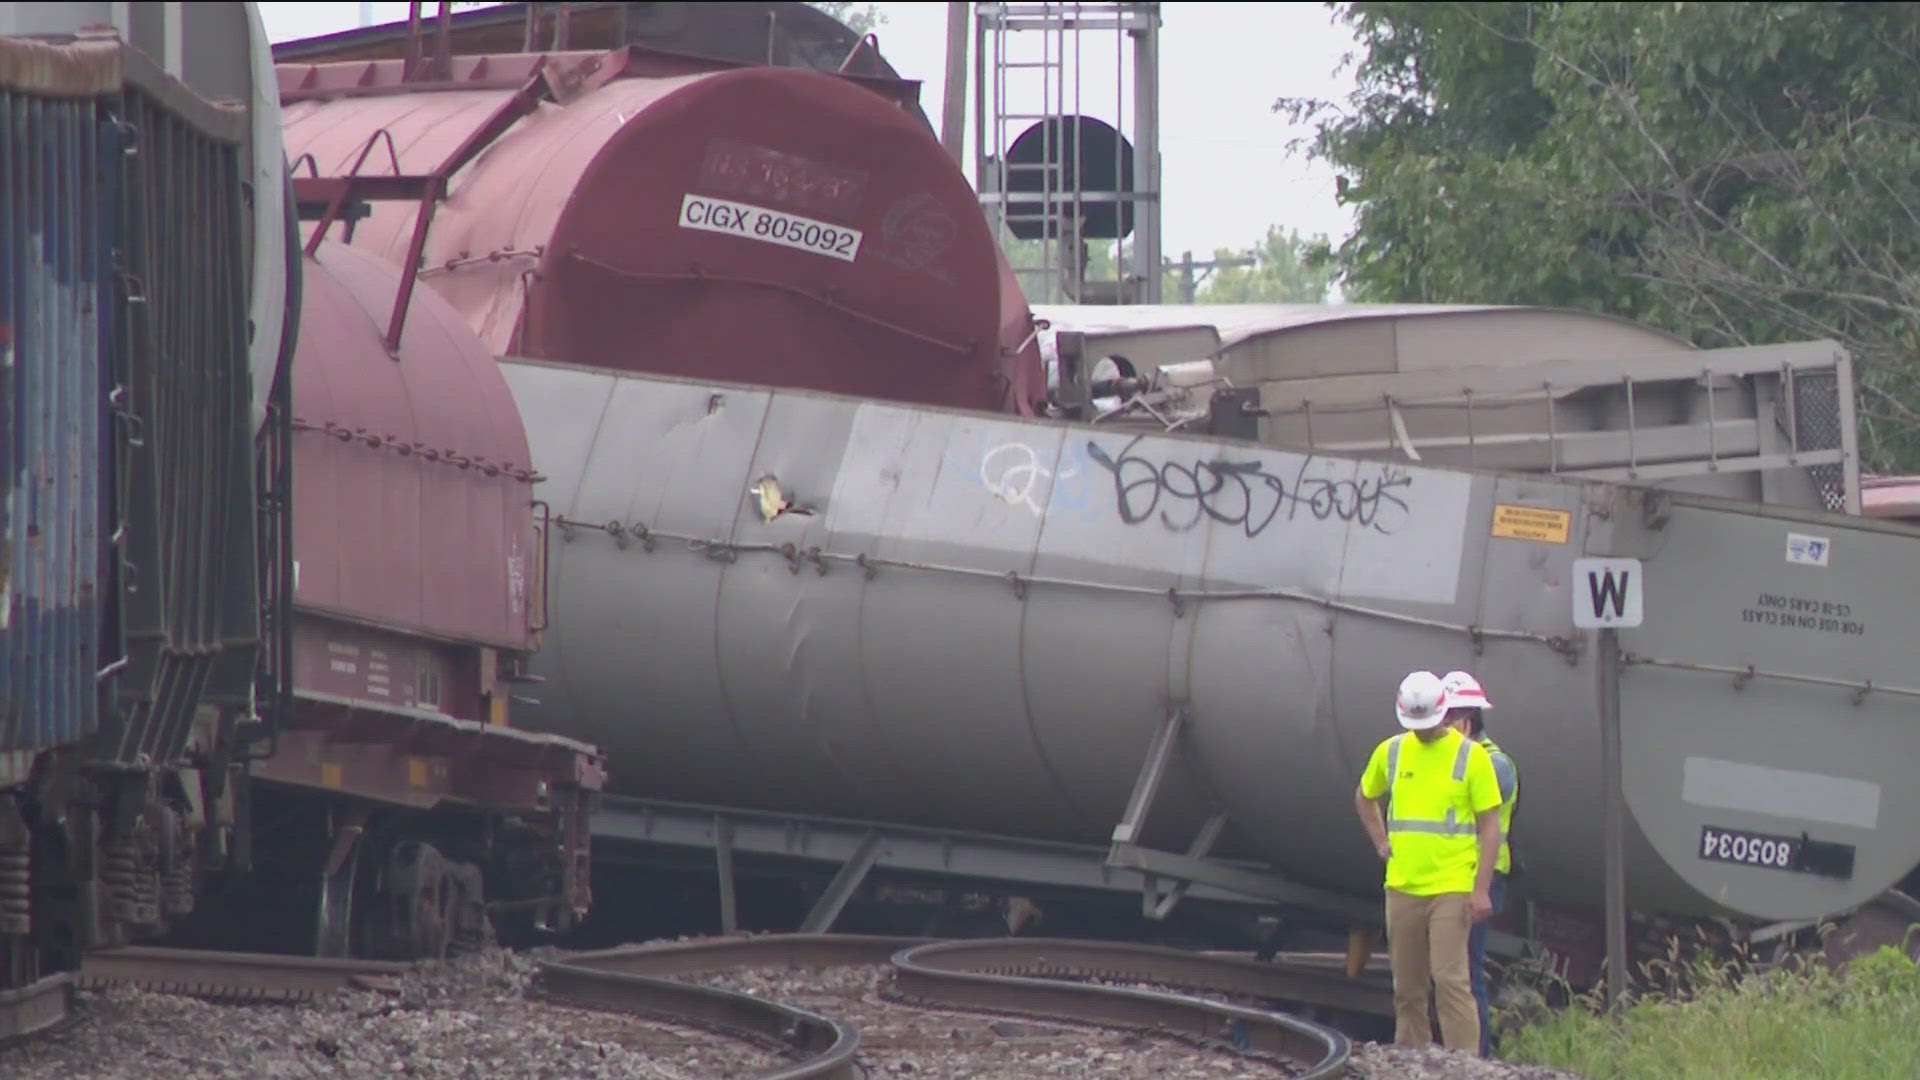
{"type": "Point", "coordinates": [1815, 422]}
{"type": "Point", "coordinates": [187, 565]}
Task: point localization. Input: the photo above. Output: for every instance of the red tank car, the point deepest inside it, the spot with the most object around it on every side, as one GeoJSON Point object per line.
{"type": "Point", "coordinates": [412, 476]}
{"type": "Point", "coordinates": [416, 555]}
{"type": "Point", "coordinates": [659, 213]}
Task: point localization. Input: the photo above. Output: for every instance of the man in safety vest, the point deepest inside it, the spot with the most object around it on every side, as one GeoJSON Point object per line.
{"type": "Point", "coordinates": [1439, 832]}
{"type": "Point", "coordinates": [1465, 702]}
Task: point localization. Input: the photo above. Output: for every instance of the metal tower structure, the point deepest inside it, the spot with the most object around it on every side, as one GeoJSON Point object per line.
{"type": "Point", "coordinates": [1067, 146]}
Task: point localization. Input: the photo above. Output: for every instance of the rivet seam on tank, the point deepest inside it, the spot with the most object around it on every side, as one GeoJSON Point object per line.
{"type": "Point", "coordinates": [730, 551]}
{"type": "Point", "coordinates": [408, 449]}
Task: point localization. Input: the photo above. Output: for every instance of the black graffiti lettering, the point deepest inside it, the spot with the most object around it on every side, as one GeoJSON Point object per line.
{"type": "Point", "coordinates": [1244, 494]}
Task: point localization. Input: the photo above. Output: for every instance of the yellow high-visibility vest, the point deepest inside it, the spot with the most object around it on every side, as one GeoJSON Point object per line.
{"type": "Point", "coordinates": [1505, 863]}
{"type": "Point", "coordinates": [1435, 792]}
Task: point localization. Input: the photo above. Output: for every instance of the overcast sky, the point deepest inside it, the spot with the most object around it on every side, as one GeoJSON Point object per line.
{"type": "Point", "coordinates": [1227, 173]}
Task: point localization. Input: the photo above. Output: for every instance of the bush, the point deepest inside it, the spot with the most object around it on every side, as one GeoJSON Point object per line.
{"type": "Point", "coordinates": [1708, 1019]}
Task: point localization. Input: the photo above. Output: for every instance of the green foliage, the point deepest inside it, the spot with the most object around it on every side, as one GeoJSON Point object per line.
{"type": "Point", "coordinates": [860, 18]}
{"type": "Point", "coordinates": [1797, 1020]}
{"type": "Point", "coordinates": [1739, 173]}
{"type": "Point", "coordinates": [1286, 271]}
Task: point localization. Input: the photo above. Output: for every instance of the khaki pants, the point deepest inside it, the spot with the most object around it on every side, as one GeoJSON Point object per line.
{"type": "Point", "coordinates": [1427, 940]}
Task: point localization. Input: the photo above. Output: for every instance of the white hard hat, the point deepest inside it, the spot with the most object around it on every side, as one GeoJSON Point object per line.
{"type": "Point", "coordinates": [1464, 692]}
{"type": "Point", "coordinates": [1422, 702]}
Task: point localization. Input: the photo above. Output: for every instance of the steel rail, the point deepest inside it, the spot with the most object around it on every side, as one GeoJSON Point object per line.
{"type": "Point", "coordinates": [825, 1046]}
{"type": "Point", "coordinates": [1293, 981]}
{"type": "Point", "coordinates": [1043, 977]}
{"type": "Point", "coordinates": [668, 958]}
{"type": "Point", "coordinates": [1038, 975]}
{"type": "Point", "coordinates": [1028, 976]}
{"type": "Point", "coordinates": [232, 976]}
{"type": "Point", "coordinates": [639, 979]}
{"type": "Point", "coordinates": [36, 1007]}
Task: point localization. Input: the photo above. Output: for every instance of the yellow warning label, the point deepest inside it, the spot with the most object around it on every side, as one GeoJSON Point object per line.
{"type": "Point", "coordinates": [417, 771]}
{"type": "Point", "coordinates": [330, 773]}
{"type": "Point", "coordinates": [1531, 523]}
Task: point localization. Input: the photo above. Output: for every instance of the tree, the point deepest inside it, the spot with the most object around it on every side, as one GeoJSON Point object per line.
{"type": "Point", "coordinates": [859, 18]}
{"type": "Point", "coordinates": [1284, 272]}
{"type": "Point", "coordinates": [1741, 174]}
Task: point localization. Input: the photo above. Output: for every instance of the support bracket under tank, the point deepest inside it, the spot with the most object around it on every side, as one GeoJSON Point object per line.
{"type": "Point", "coordinates": [842, 887]}
{"type": "Point", "coordinates": [1167, 876]}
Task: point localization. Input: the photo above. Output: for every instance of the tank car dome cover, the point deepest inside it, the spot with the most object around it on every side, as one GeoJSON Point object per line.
{"type": "Point", "coordinates": [411, 471]}
{"type": "Point", "coordinates": [761, 225]}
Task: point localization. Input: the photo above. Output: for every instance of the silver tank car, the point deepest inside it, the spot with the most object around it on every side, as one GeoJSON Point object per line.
{"type": "Point", "coordinates": [795, 601]}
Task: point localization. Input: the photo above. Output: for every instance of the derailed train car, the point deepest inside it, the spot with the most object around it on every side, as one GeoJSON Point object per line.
{"type": "Point", "coordinates": [136, 583]}
{"type": "Point", "coordinates": [397, 811]}
{"type": "Point", "coordinates": [816, 609]}
{"type": "Point", "coordinates": [199, 738]}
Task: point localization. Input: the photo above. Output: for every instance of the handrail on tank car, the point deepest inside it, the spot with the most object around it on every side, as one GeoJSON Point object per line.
{"type": "Point", "coordinates": [425, 188]}
{"type": "Point", "coordinates": [343, 190]}
{"type": "Point", "coordinates": [729, 550]}
{"type": "Point", "coordinates": [546, 547]}
{"type": "Point", "coordinates": [1744, 675]}
{"type": "Point", "coordinates": [865, 41]}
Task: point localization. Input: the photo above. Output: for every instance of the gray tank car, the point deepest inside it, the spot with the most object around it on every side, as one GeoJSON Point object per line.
{"type": "Point", "coordinates": [792, 601]}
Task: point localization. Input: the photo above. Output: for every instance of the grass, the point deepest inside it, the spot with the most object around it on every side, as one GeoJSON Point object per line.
{"type": "Point", "coordinates": [1709, 1020]}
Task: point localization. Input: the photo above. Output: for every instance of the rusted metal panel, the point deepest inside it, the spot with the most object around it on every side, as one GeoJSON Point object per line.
{"type": "Point", "coordinates": [412, 470]}
{"type": "Point", "coordinates": [384, 715]}
{"type": "Point", "coordinates": [762, 225]}
{"type": "Point", "coordinates": [80, 69]}
{"type": "Point", "coordinates": [123, 332]}
{"type": "Point", "coordinates": [56, 350]}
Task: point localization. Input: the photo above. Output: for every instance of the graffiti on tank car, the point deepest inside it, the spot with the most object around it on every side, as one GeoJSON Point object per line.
{"type": "Point", "coordinates": [735, 169]}
{"type": "Point", "coordinates": [915, 233]}
{"type": "Point", "coordinates": [1012, 473]}
{"type": "Point", "coordinates": [1247, 494]}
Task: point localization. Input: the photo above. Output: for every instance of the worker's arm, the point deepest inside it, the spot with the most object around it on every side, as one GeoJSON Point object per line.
{"type": "Point", "coordinates": [1487, 824]}
{"type": "Point", "coordinates": [1375, 822]}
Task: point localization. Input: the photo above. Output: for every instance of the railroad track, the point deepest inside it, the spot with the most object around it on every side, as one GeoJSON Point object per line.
{"type": "Point", "coordinates": [220, 976]}
{"type": "Point", "coordinates": [234, 976]}
{"type": "Point", "coordinates": [1103, 983]}
{"type": "Point", "coordinates": [35, 1007]}
{"type": "Point", "coordinates": [1054, 978]}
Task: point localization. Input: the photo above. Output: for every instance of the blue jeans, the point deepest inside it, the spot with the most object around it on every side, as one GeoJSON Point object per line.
{"type": "Point", "coordinates": [1477, 959]}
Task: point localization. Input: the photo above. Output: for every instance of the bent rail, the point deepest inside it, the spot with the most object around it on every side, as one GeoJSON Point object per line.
{"type": "Point", "coordinates": [1032, 976]}
{"type": "Point", "coordinates": [1042, 976]}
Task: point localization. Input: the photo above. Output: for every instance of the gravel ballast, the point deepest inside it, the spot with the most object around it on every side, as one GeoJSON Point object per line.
{"type": "Point", "coordinates": [474, 1018]}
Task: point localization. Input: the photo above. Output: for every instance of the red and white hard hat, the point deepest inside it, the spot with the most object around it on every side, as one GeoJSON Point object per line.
{"type": "Point", "coordinates": [1422, 701]}
{"type": "Point", "coordinates": [1463, 691]}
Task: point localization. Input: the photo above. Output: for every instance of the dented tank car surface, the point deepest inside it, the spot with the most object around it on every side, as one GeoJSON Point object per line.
{"type": "Point", "coordinates": [967, 621]}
